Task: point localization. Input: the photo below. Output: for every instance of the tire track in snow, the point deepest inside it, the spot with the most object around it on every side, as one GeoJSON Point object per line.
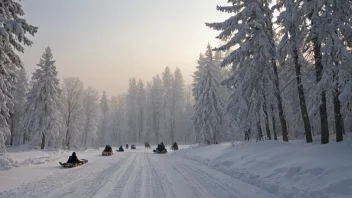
{"type": "Point", "coordinates": [217, 183]}
{"type": "Point", "coordinates": [134, 183]}
{"type": "Point", "coordinates": [45, 186]}
{"type": "Point", "coordinates": [90, 185]}
{"type": "Point", "coordinates": [160, 184]}
{"type": "Point", "coordinates": [120, 181]}
{"type": "Point", "coordinates": [197, 189]}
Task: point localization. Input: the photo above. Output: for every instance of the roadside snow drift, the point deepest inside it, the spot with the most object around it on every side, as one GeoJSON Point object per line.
{"type": "Point", "coordinates": [284, 169]}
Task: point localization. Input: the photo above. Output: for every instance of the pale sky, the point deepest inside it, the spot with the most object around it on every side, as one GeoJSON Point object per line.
{"type": "Point", "coordinates": [105, 42]}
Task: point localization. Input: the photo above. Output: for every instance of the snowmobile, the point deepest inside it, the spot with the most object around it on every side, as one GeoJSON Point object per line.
{"type": "Point", "coordinates": [160, 149]}
{"type": "Point", "coordinates": [71, 165]}
{"type": "Point", "coordinates": [120, 149]}
{"type": "Point", "coordinates": [107, 151]}
{"type": "Point", "coordinates": [156, 151]}
{"type": "Point", "coordinates": [133, 147]}
{"type": "Point", "coordinates": [174, 146]}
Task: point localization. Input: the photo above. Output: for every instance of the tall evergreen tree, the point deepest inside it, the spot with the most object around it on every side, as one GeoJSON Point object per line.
{"type": "Point", "coordinates": [156, 99]}
{"type": "Point", "coordinates": [254, 61]}
{"type": "Point", "coordinates": [104, 106]}
{"type": "Point", "coordinates": [43, 116]}
{"type": "Point", "coordinates": [141, 100]}
{"type": "Point", "coordinates": [290, 47]}
{"type": "Point", "coordinates": [177, 102]}
{"type": "Point", "coordinates": [208, 115]}
{"type": "Point", "coordinates": [167, 78]}
{"type": "Point", "coordinates": [328, 34]}
{"type": "Point", "coordinates": [13, 31]}
{"type": "Point", "coordinates": [17, 115]}
{"type": "Point", "coordinates": [131, 102]}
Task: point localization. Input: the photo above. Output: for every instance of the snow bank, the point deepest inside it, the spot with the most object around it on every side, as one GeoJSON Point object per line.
{"type": "Point", "coordinates": [23, 156]}
{"type": "Point", "coordinates": [290, 170]}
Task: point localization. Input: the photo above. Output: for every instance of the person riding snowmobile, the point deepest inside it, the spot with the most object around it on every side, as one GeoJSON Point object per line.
{"type": "Point", "coordinates": [73, 159]}
{"type": "Point", "coordinates": [121, 149]}
{"type": "Point", "coordinates": [161, 147]}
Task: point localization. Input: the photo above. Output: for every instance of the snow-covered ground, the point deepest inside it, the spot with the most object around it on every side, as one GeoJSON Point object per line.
{"type": "Point", "coordinates": [284, 169]}
{"type": "Point", "coordinates": [264, 169]}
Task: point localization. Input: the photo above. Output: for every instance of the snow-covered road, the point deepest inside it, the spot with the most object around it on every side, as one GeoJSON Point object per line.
{"type": "Point", "coordinates": [138, 173]}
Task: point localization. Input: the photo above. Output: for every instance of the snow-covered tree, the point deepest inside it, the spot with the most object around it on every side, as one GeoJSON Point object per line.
{"type": "Point", "coordinates": [13, 33]}
{"type": "Point", "coordinates": [329, 32]}
{"type": "Point", "coordinates": [208, 115]}
{"type": "Point", "coordinates": [290, 48]}
{"type": "Point", "coordinates": [17, 113]}
{"type": "Point", "coordinates": [167, 101]}
{"type": "Point", "coordinates": [72, 94]}
{"type": "Point", "coordinates": [104, 106]}
{"type": "Point", "coordinates": [43, 116]}
{"type": "Point", "coordinates": [254, 68]}
{"type": "Point", "coordinates": [156, 99]}
{"type": "Point", "coordinates": [91, 112]}
{"type": "Point", "coordinates": [141, 100]}
{"type": "Point", "coordinates": [131, 102]}
{"type": "Point", "coordinates": [177, 104]}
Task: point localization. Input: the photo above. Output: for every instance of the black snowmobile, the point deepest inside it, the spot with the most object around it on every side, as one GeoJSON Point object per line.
{"type": "Point", "coordinates": [73, 161]}
{"type": "Point", "coordinates": [160, 149]}
{"type": "Point", "coordinates": [107, 151]}
{"type": "Point", "coordinates": [133, 147]}
{"type": "Point", "coordinates": [174, 146]}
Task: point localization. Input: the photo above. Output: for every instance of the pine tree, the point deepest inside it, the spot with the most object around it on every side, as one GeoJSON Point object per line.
{"type": "Point", "coordinates": [208, 115]}
{"type": "Point", "coordinates": [131, 102]}
{"type": "Point", "coordinates": [177, 101]}
{"type": "Point", "coordinates": [17, 115]}
{"type": "Point", "coordinates": [167, 78]}
{"type": "Point", "coordinates": [104, 106]}
{"type": "Point", "coordinates": [13, 30]}
{"type": "Point", "coordinates": [156, 99]}
{"type": "Point", "coordinates": [43, 116]}
{"type": "Point", "coordinates": [254, 68]}
{"type": "Point", "coordinates": [291, 45]}
{"type": "Point", "coordinates": [328, 35]}
{"type": "Point", "coordinates": [141, 99]}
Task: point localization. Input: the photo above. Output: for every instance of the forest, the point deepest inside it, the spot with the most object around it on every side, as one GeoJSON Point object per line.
{"type": "Point", "coordinates": [283, 71]}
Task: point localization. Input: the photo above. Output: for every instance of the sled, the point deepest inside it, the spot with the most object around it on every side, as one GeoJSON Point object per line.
{"type": "Point", "coordinates": [107, 153]}
{"type": "Point", "coordinates": [71, 165]}
{"type": "Point", "coordinates": [160, 152]}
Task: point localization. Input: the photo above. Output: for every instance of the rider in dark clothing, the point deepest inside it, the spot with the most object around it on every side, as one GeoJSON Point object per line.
{"type": "Point", "coordinates": [73, 159]}
{"type": "Point", "coordinates": [121, 149]}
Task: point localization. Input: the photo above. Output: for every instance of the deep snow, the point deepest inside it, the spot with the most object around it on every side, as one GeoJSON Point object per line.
{"type": "Point", "coordinates": [263, 169]}
{"type": "Point", "coordinates": [284, 169]}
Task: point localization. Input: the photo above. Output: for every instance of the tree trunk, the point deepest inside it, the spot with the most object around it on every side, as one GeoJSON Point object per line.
{"type": "Point", "coordinates": [259, 131]}
{"type": "Point", "coordinates": [279, 100]}
{"type": "Point", "coordinates": [301, 96]}
{"type": "Point", "coordinates": [338, 116]}
{"type": "Point", "coordinates": [274, 122]}
{"type": "Point", "coordinates": [324, 126]}
{"type": "Point", "coordinates": [12, 117]}
{"type": "Point", "coordinates": [42, 146]}
{"type": "Point", "coordinates": [265, 110]}
{"type": "Point", "coordinates": [276, 83]}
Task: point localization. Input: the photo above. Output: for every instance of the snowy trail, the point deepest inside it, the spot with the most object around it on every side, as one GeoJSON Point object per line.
{"type": "Point", "coordinates": [138, 174]}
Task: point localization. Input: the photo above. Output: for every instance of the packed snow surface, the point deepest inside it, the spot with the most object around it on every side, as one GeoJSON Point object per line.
{"type": "Point", "coordinates": [241, 170]}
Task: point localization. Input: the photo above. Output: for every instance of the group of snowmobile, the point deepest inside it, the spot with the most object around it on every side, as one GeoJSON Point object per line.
{"type": "Point", "coordinates": [73, 161]}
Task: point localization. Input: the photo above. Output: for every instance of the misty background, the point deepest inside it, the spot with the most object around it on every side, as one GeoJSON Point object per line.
{"type": "Point", "coordinates": [105, 43]}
